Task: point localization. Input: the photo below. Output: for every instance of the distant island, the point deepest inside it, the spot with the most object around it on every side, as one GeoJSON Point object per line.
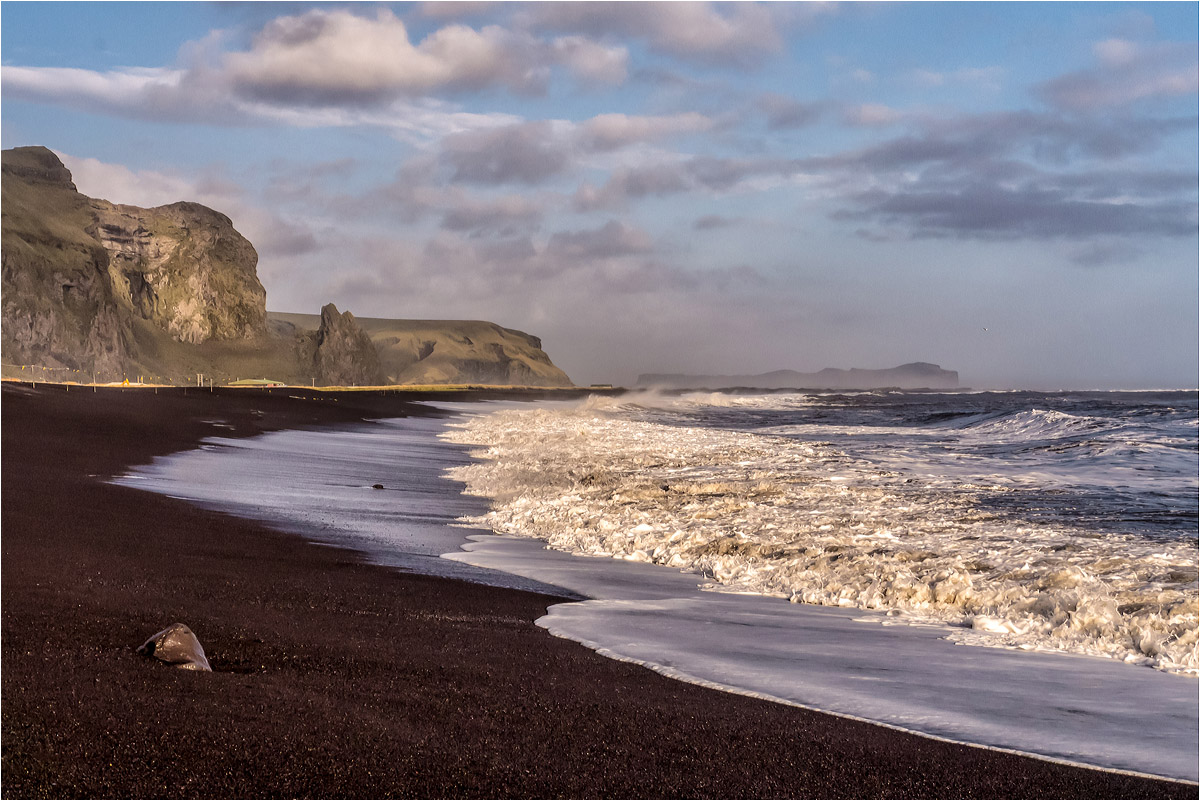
{"type": "Point", "coordinates": [917, 375]}
{"type": "Point", "coordinates": [96, 291]}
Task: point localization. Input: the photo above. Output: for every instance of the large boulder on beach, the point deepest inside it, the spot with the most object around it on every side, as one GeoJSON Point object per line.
{"type": "Point", "coordinates": [178, 646]}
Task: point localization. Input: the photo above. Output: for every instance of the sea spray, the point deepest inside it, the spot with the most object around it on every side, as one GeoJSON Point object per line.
{"type": "Point", "coordinates": [779, 515]}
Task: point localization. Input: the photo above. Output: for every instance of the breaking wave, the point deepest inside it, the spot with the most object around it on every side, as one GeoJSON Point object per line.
{"type": "Point", "coordinates": [780, 512]}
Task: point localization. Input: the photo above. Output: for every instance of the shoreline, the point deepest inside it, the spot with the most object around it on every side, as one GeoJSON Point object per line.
{"type": "Point", "coordinates": [334, 677]}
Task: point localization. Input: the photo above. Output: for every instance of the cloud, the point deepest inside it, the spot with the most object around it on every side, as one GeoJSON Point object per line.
{"type": "Point", "coordinates": [417, 193]}
{"type": "Point", "coordinates": [732, 34]}
{"type": "Point", "coordinates": [783, 112]}
{"type": "Point", "coordinates": [486, 277]}
{"type": "Point", "coordinates": [707, 173]}
{"type": "Point", "coordinates": [1010, 176]}
{"type": "Point", "coordinates": [612, 131]}
{"type": "Point", "coordinates": [712, 222]}
{"type": "Point", "coordinates": [273, 235]}
{"type": "Point", "coordinates": [528, 153]}
{"type": "Point", "coordinates": [978, 77]}
{"type": "Point", "coordinates": [327, 56]}
{"type": "Point", "coordinates": [986, 211]}
{"type": "Point", "coordinates": [871, 115]}
{"type": "Point", "coordinates": [455, 9]}
{"type": "Point", "coordinates": [976, 138]}
{"type": "Point", "coordinates": [164, 94]}
{"type": "Point", "coordinates": [535, 152]}
{"type": "Point", "coordinates": [324, 67]}
{"type": "Point", "coordinates": [612, 240]}
{"type": "Point", "coordinates": [503, 216]}
{"type": "Point", "coordinates": [591, 61]}
{"type": "Point", "coordinates": [627, 183]}
{"type": "Point", "coordinates": [1104, 253]}
{"type": "Point", "coordinates": [117, 183]}
{"type": "Point", "coordinates": [1127, 73]}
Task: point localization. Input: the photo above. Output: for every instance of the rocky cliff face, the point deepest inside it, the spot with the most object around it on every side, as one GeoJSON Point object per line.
{"type": "Point", "coordinates": [82, 276]}
{"type": "Point", "coordinates": [345, 355]}
{"type": "Point", "coordinates": [184, 268]}
{"type": "Point", "coordinates": [93, 288]}
{"type": "Point", "coordinates": [59, 309]}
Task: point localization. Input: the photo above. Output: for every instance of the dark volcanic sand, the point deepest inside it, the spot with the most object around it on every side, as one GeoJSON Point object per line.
{"type": "Point", "coordinates": [339, 679]}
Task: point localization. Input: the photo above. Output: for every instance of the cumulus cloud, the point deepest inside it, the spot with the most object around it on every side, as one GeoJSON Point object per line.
{"type": "Point", "coordinates": [1127, 72]}
{"type": "Point", "coordinates": [117, 183]}
{"type": "Point", "coordinates": [324, 67]}
{"type": "Point", "coordinates": [327, 56]}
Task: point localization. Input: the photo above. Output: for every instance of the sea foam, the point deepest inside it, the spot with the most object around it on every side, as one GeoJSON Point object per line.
{"type": "Point", "coordinates": [777, 515]}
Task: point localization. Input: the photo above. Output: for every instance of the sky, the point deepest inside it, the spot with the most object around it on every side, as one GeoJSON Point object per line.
{"type": "Point", "coordinates": [1005, 189]}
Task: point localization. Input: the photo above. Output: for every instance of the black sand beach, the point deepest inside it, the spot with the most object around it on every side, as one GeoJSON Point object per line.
{"type": "Point", "coordinates": [335, 678]}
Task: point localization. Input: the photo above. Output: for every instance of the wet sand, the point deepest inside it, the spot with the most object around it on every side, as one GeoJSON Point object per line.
{"type": "Point", "coordinates": [335, 678]}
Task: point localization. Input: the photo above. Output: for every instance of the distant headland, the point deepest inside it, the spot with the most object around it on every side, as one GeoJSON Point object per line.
{"type": "Point", "coordinates": [917, 375]}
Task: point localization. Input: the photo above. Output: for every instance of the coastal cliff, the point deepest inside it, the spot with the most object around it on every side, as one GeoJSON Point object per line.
{"type": "Point", "coordinates": [444, 351]}
{"type": "Point", "coordinates": [183, 268]}
{"type": "Point", "coordinates": [97, 289]}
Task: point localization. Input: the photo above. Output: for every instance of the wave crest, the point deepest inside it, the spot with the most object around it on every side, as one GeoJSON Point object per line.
{"type": "Point", "coordinates": [774, 515]}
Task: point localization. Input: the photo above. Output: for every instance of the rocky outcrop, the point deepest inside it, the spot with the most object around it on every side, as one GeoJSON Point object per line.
{"type": "Point", "coordinates": [81, 278]}
{"type": "Point", "coordinates": [917, 375]}
{"type": "Point", "coordinates": [345, 355]}
{"type": "Point", "coordinates": [184, 268]}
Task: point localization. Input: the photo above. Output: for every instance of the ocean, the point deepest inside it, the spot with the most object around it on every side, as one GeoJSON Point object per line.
{"type": "Point", "coordinates": [1013, 570]}
{"type": "Point", "coordinates": [1050, 521]}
